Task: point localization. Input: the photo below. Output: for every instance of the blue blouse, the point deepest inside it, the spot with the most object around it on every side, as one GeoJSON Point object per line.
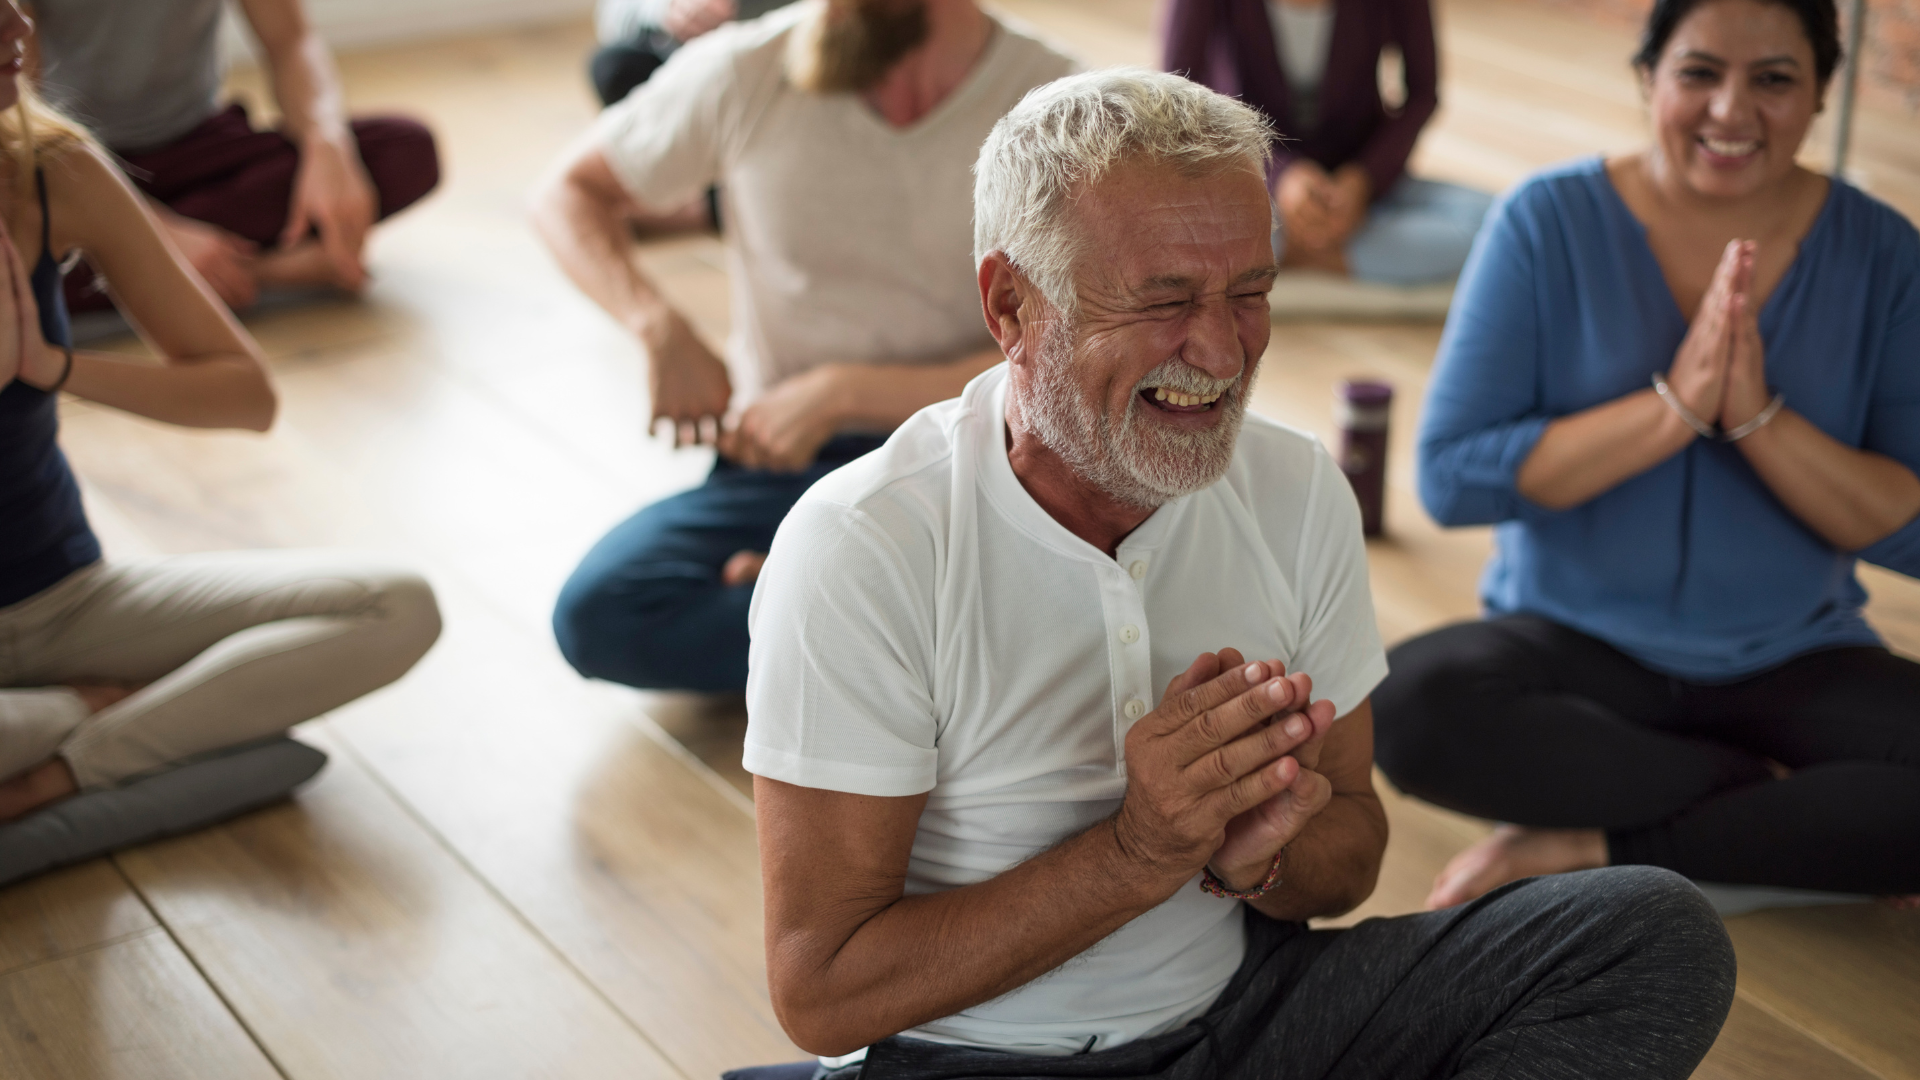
{"type": "Point", "coordinates": [44, 534]}
{"type": "Point", "coordinates": [1693, 568]}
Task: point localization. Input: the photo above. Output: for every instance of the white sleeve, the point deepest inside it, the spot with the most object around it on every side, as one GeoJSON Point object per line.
{"type": "Point", "coordinates": [839, 687]}
{"type": "Point", "coordinates": [1339, 640]}
{"type": "Point", "coordinates": [663, 140]}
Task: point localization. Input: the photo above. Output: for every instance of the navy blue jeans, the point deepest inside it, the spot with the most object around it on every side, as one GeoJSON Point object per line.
{"type": "Point", "coordinates": [647, 608]}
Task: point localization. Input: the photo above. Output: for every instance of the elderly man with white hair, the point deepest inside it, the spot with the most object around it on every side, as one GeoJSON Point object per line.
{"type": "Point", "coordinates": [989, 847]}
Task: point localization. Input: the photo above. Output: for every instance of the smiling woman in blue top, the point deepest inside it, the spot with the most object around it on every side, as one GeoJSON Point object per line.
{"type": "Point", "coordinates": [1685, 383]}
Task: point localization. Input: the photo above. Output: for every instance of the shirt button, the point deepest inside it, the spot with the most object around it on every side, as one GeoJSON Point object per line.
{"type": "Point", "coordinates": [1129, 634]}
{"type": "Point", "coordinates": [1135, 709]}
{"type": "Point", "coordinates": [1138, 569]}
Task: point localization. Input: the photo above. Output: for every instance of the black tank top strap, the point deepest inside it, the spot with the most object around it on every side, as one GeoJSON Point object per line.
{"type": "Point", "coordinates": [47, 290]}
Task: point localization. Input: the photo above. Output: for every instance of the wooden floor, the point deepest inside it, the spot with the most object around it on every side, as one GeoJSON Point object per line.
{"type": "Point", "coordinates": [509, 872]}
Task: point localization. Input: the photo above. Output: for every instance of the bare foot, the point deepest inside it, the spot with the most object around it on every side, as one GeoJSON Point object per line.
{"type": "Point", "coordinates": [743, 568]}
{"type": "Point", "coordinates": [304, 265]}
{"type": "Point", "coordinates": [49, 781]}
{"type": "Point", "coordinates": [1512, 853]}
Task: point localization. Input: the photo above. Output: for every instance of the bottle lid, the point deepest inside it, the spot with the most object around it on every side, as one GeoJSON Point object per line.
{"type": "Point", "coordinates": [1365, 393]}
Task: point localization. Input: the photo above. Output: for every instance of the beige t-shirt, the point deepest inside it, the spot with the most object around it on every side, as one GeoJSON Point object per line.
{"type": "Point", "coordinates": [848, 240]}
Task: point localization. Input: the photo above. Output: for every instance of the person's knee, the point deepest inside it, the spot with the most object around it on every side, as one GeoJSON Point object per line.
{"type": "Point", "coordinates": [664, 631]}
{"type": "Point", "coordinates": [1661, 915]}
{"type": "Point", "coordinates": [401, 157]}
{"type": "Point", "coordinates": [1412, 712]}
{"type": "Point", "coordinates": [602, 628]}
{"type": "Point", "coordinates": [409, 611]}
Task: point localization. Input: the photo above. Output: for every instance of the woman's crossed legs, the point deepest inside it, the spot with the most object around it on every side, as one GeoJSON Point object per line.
{"type": "Point", "coordinates": [125, 668]}
{"type": "Point", "coordinates": [1804, 776]}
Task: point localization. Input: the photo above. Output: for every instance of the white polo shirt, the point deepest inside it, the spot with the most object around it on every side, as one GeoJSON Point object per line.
{"type": "Point", "coordinates": [922, 625]}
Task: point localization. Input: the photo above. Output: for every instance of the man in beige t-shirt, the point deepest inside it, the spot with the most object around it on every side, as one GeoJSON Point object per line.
{"type": "Point", "coordinates": [842, 135]}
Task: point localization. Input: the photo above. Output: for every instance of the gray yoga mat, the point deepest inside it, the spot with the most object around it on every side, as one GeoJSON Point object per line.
{"type": "Point", "coordinates": [182, 799]}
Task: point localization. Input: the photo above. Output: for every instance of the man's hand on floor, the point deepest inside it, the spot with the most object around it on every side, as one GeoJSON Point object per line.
{"type": "Point", "coordinates": [1208, 770]}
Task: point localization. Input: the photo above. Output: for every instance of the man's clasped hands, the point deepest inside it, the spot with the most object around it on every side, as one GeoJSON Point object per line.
{"type": "Point", "coordinates": [1221, 775]}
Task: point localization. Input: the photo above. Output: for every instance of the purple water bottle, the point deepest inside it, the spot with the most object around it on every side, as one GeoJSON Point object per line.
{"type": "Point", "coordinates": [1360, 408]}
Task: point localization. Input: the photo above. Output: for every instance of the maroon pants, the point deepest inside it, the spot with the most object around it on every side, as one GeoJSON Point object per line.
{"type": "Point", "coordinates": [227, 174]}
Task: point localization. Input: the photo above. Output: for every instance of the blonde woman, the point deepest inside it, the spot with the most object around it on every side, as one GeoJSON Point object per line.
{"type": "Point", "coordinates": [115, 673]}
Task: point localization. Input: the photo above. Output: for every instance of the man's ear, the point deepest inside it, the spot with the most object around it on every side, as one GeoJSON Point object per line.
{"type": "Point", "coordinates": [1003, 293]}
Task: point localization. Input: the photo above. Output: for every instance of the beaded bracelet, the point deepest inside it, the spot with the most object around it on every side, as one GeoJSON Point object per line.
{"type": "Point", "coordinates": [1213, 885]}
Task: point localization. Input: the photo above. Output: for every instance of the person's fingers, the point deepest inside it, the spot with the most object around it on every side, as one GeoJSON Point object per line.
{"type": "Point", "coordinates": [1252, 789]}
{"type": "Point", "coordinates": [236, 245]}
{"type": "Point", "coordinates": [1204, 667]}
{"type": "Point", "coordinates": [343, 254]}
{"type": "Point", "coordinates": [299, 222]}
{"type": "Point", "coordinates": [1220, 725]}
{"type": "Point", "coordinates": [1257, 748]}
{"type": "Point", "coordinates": [1321, 714]}
{"type": "Point", "coordinates": [1740, 280]}
{"type": "Point", "coordinates": [1177, 710]}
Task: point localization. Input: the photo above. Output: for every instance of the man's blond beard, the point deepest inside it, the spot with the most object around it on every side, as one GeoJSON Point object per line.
{"type": "Point", "coordinates": [855, 43]}
{"type": "Point", "coordinates": [1141, 464]}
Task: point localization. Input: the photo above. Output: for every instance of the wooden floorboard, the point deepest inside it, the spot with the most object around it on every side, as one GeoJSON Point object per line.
{"type": "Point", "coordinates": [509, 871]}
{"type": "Point", "coordinates": [132, 1009]}
{"type": "Point", "coordinates": [354, 946]}
{"type": "Point", "coordinates": [1849, 976]}
{"type": "Point", "coordinates": [64, 912]}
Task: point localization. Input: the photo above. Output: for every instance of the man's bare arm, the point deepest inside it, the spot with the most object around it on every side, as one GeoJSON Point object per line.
{"type": "Point", "coordinates": [789, 424]}
{"type": "Point", "coordinates": [1332, 865]}
{"type": "Point", "coordinates": [885, 395]}
{"type": "Point", "coordinates": [583, 214]}
{"type": "Point", "coordinates": [851, 959]}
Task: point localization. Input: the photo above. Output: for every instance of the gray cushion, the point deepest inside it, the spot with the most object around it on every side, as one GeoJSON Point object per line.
{"type": "Point", "coordinates": [181, 799]}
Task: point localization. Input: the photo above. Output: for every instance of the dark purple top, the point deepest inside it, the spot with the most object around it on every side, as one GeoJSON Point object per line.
{"type": "Point", "coordinates": [1229, 46]}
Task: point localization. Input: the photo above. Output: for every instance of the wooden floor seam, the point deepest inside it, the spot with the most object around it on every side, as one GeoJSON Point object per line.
{"type": "Point", "coordinates": [213, 984]}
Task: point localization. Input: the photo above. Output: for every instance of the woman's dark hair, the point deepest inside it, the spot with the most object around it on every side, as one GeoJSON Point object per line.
{"type": "Point", "coordinates": [1817, 17]}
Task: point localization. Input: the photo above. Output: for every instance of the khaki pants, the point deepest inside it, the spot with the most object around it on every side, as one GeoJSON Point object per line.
{"type": "Point", "coordinates": [227, 648]}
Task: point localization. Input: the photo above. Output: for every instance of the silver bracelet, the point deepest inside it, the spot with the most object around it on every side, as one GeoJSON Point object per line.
{"type": "Point", "coordinates": [1673, 402]}
{"type": "Point", "coordinates": [1767, 414]}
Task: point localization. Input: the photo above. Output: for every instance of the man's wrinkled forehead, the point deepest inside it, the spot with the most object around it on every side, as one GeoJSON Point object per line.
{"type": "Point", "coordinates": [1148, 227]}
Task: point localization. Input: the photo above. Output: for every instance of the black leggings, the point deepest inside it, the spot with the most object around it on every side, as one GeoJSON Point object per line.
{"type": "Point", "coordinates": [1522, 720]}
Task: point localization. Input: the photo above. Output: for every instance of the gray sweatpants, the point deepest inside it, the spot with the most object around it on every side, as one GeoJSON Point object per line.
{"type": "Point", "coordinates": [226, 648]}
{"type": "Point", "coordinates": [1623, 972]}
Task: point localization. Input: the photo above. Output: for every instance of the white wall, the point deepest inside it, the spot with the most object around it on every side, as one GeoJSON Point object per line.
{"type": "Point", "coordinates": [350, 23]}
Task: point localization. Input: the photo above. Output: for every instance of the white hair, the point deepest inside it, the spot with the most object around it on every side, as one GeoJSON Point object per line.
{"type": "Point", "coordinates": [1069, 133]}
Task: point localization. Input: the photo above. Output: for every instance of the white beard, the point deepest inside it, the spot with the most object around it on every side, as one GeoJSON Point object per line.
{"type": "Point", "coordinates": [1142, 464]}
